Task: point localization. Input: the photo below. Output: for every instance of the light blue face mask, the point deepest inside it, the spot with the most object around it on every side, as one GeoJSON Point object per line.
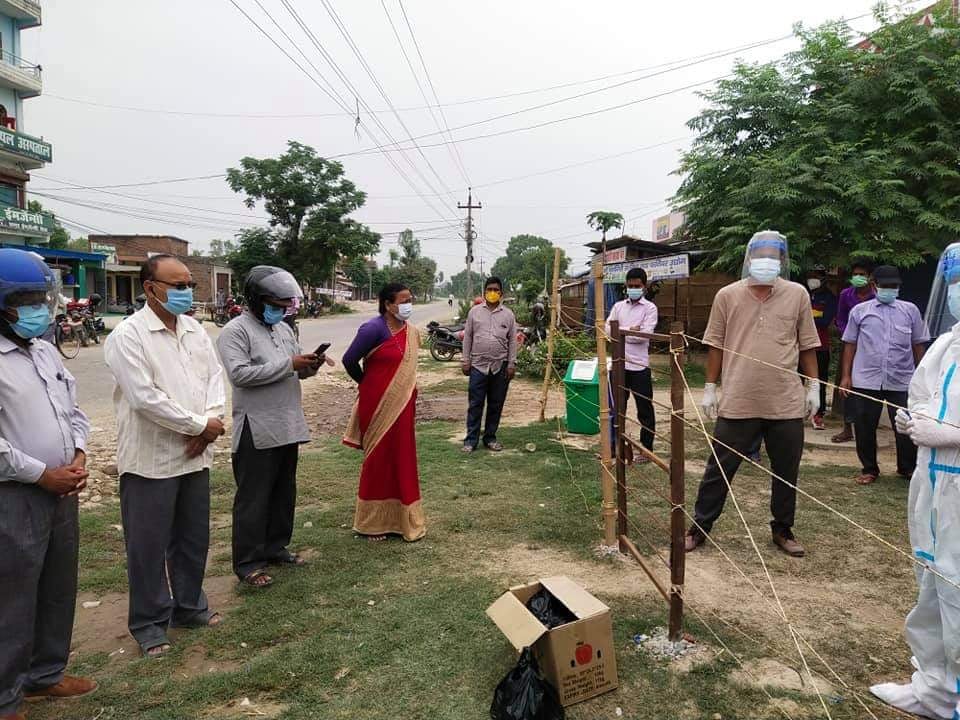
{"type": "Point", "coordinates": [33, 321]}
{"type": "Point", "coordinates": [887, 295]}
{"type": "Point", "coordinates": [272, 315]}
{"type": "Point", "coordinates": [635, 293]}
{"type": "Point", "coordinates": [178, 301]}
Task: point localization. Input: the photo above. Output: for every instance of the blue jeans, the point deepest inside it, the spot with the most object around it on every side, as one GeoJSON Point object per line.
{"type": "Point", "coordinates": [489, 389]}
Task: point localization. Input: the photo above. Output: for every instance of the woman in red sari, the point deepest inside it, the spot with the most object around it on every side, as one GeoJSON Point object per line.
{"type": "Point", "coordinates": [382, 424]}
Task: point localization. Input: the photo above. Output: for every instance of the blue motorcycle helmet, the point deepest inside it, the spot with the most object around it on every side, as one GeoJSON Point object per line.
{"type": "Point", "coordinates": [25, 282]}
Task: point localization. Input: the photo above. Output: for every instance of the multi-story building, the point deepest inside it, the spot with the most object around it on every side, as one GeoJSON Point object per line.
{"type": "Point", "coordinates": [19, 152]}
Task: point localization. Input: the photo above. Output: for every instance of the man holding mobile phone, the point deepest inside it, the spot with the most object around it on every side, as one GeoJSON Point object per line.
{"type": "Point", "coordinates": [265, 365]}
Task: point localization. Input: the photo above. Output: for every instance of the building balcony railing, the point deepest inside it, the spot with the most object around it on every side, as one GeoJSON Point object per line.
{"type": "Point", "coordinates": [26, 12]}
{"type": "Point", "coordinates": [26, 151]}
{"type": "Point", "coordinates": [20, 75]}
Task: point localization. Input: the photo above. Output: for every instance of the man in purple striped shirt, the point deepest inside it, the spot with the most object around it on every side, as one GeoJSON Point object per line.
{"type": "Point", "coordinates": [860, 291]}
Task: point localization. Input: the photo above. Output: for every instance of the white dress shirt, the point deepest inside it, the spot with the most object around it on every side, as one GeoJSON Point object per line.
{"type": "Point", "coordinates": [167, 385]}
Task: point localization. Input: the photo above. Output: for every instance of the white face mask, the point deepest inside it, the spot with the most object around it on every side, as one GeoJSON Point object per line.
{"type": "Point", "coordinates": [404, 311]}
{"type": "Point", "coordinates": [814, 283]}
{"type": "Point", "coordinates": [764, 270]}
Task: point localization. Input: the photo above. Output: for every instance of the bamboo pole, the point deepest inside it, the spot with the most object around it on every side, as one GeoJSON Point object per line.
{"type": "Point", "coordinates": [606, 466]}
{"type": "Point", "coordinates": [620, 412]}
{"type": "Point", "coordinates": [554, 310]}
{"type": "Point", "coordinates": [677, 482]}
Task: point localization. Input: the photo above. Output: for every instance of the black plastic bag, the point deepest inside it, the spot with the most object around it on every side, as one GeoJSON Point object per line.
{"type": "Point", "coordinates": [525, 695]}
{"type": "Point", "coordinates": [548, 610]}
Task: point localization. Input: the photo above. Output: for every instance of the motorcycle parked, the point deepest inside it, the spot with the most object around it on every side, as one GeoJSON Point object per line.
{"type": "Point", "coordinates": [226, 312]}
{"type": "Point", "coordinates": [68, 335]}
{"type": "Point", "coordinates": [445, 342]}
{"type": "Point", "coordinates": [85, 311]}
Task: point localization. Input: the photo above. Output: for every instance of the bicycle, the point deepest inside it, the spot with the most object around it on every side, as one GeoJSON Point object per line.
{"type": "Point", "coordinates": [67, 336]}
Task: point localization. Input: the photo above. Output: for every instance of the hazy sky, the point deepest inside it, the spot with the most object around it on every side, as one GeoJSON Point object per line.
{"type": "Point", "coordinates": [185, 56]}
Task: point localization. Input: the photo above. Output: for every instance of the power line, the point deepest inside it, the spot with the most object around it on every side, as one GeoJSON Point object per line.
{"type": "Point", "coordinates": [433, 89]}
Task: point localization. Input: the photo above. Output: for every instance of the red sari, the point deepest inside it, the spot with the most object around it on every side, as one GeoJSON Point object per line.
{"type": "Point", "coordinates": [382, 425]}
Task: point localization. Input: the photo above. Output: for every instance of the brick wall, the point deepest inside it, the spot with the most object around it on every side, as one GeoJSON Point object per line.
{"type": "Point", "coordinates": [204, 271]}
{"type": "Point", "coordinates": [135, 248]}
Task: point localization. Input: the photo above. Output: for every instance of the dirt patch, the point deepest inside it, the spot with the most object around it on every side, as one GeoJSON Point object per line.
{"type": "Point", "coordinates": [527, 563]}
{"type": "Point", "coordinates": [442, 407]}
{"type": "Point", "coordinates": [772, 674]}
{"type": "Point", "coordinates": [248, 708]}
{"type": "Point", "coordinates": [104, 628]}
{"type": "Point", "coordinates": [196, 662]}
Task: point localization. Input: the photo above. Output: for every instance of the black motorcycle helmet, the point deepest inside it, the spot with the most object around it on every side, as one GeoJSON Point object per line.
{"type": "Point", "coordinates": [95, 300]}
{"type": "Point", "coordinates": [267, 281]}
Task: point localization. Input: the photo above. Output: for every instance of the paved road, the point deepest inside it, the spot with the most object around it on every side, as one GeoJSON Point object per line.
{"type": "Point", "coordinates": [95, 384]}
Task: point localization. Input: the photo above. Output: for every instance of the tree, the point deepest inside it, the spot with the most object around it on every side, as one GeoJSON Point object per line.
{"type": "Point", "coordinates": [414, 271]}
{"type": "Point", "coordinates": [222, 248]}
{"type": "Point", "coordinates": [308, 200]}
{"type": "Point", "coordinates": [457, 285]}
{"type": "Point", "coordinates": [604, 220]}
{"type": "Point", "coordinates": [394, 255]}
{"type": "Point", "coordinates": [845, 151]}
{"type": "Point", "coordinates": [256, 246]}
{"type": "Point", "coordinates": [59, 239]}
{"type": "Point", "coordinates": [528, 261]}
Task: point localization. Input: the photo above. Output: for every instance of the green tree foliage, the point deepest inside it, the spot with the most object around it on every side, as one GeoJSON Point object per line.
{"type": "Point", "coordinates": [59, 239]}
{"type": "Point", "coordinates": [256, 246]}
{"type": "Point", "coordinates": [603, 220]}
{"type": "Point", "coordinates": [222, 248]}
{"type": "Point", "coordinates": [528, 260]}
{"type": "Point", "coordinates": [415, 271]}
{"type": "Point", "coordinates": [457, 284]}
{"type": "Point", "coordinates": [308, 199]}
{"type": "Point", "coordinates": [847, 152]}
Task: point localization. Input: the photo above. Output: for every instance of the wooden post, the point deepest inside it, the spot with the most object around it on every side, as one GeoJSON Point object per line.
{"type": "Point", "coordinates": [554, 311]}
{"type": "Point", "coordinates": [606, 466]}
{"type": "Point", "coordinates": [677, 482]}
{"type": "Point", "coordinates": [620, 399]}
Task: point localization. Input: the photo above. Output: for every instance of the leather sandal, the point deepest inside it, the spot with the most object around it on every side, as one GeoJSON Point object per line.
{"type": "Point", "coordinates": [842, 436]}
{"type": "Point", "coordinates": [692, 540]}
{"type": "Point", "coordinates": [866, 479]}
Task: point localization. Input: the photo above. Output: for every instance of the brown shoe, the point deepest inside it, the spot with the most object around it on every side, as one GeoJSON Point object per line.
{"type": "Point", "coordinates": [786, 542]}
{"type": "Point", "coordinates": [15, 716]}
{"type": "Point", "coordinates": [843, 436]}
{"type": "Point", "coordinates": [70, 687]}
{"type": "Point", "coordinates": [692, 541]}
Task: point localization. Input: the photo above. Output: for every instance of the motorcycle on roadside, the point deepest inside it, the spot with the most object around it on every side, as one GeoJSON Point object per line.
{"type": "Point", "coordinates": [445, 342]}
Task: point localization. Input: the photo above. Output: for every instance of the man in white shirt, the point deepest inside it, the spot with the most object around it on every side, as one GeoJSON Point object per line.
{"type": "Point", "coordinates": [169, 400]}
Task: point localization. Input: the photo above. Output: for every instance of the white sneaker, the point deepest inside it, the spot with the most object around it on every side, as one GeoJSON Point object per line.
{"type": "Point", "coordinates": [903, 698]}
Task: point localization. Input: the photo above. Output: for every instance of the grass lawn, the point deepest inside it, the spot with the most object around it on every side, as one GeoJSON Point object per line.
{"type": "Point", "coordinates": [398, 632]}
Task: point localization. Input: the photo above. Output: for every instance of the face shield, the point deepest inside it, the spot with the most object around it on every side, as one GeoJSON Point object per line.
{"type": "Point", "coordinates": [942, 311]}
{"type": "Point", "coordinates": [766, 258]}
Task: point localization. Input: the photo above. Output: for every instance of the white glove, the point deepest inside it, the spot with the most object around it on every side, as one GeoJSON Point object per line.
{"type": "Point", "coordinates": [709, 403]}
{"type": "Point", "coordinates": [901, 422]}
{"type": "Point", "coordinates": [929, 433]}
{"type": "Point", "coordinates": [813, 398]}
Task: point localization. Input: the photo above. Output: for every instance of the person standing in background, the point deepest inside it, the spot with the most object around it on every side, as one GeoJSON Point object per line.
{"type": "Point", "coordinates": [638, 313]}
{"type": "Point", "coordinates": [490, 361]}
{"type": "Point", "coordinates": [824, 305]}
{"type": "Point", "coordinates": [169, 401]}
{"type": "Point", "coordinates": [883, 343]}
{"type": "Point", "coordinates": [43, 436]}
{"type": "Point", "coordinates": [860, 290]}
{"type": "Point", "coordinates": [265, 365]}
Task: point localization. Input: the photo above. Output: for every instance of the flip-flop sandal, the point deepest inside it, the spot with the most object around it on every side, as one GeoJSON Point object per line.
{"type": "Point", "coordinates": [207, 618]}
{"type": "Point", "coordinates": [162, 647]}
{"type": "Point", "coordinates": [866, 480]}
{"type": "Point", "coordinates": [253, 579]}
{"type": "Point", "coordinates": [288, 559]}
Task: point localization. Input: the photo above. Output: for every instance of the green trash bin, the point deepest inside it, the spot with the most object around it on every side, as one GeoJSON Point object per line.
{"type": "Point", "coordinates": [582, 387]}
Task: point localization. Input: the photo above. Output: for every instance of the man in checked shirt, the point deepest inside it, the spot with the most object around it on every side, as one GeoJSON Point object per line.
{"type": "Point", "coordinates": [490, 361]}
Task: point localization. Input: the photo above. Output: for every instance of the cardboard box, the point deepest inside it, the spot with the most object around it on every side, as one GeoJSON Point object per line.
{"type": "Point", "coordinates": [577, 658]}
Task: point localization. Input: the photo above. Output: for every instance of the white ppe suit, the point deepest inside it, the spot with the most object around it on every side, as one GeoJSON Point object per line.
{"type": "Point", "coordinates": [933, 512]}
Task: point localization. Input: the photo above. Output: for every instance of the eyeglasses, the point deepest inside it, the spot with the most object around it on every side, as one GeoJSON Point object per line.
{"type": "Point", "coordinates": [177, 286]}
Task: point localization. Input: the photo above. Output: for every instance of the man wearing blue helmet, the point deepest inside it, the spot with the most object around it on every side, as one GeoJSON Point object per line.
{"type": "Point", "coordinates": [933, 514]}
{"type": "Point", "coordinates": [765, 318]}
{"type": "Point", "coordinates": [43, 437]}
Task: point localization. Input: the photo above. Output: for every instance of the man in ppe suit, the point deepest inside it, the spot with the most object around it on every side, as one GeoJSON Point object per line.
{"type": "Point", "coordinates": [763, 317]}
{"type": "Point", "coordinates": [933, 515]}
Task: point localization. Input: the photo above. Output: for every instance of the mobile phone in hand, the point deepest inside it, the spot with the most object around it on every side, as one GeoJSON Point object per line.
{"type": "Point", "coordinates": [321, 349]}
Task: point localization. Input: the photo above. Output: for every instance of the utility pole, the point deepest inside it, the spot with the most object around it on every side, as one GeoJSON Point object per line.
{"type": "Point", "coordinates": [469, 235]}
{"type": "Point", "coordinates": [481, 267]}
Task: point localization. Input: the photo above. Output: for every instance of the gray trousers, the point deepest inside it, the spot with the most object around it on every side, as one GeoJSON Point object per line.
{"type": "Point", "coordinates": [39, 539]}
{"type": "Point", "coordinates": [166, 526]}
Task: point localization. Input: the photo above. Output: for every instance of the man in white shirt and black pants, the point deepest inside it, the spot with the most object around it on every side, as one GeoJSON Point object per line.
{"type": "Point", "coordinates": [169, 400]}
